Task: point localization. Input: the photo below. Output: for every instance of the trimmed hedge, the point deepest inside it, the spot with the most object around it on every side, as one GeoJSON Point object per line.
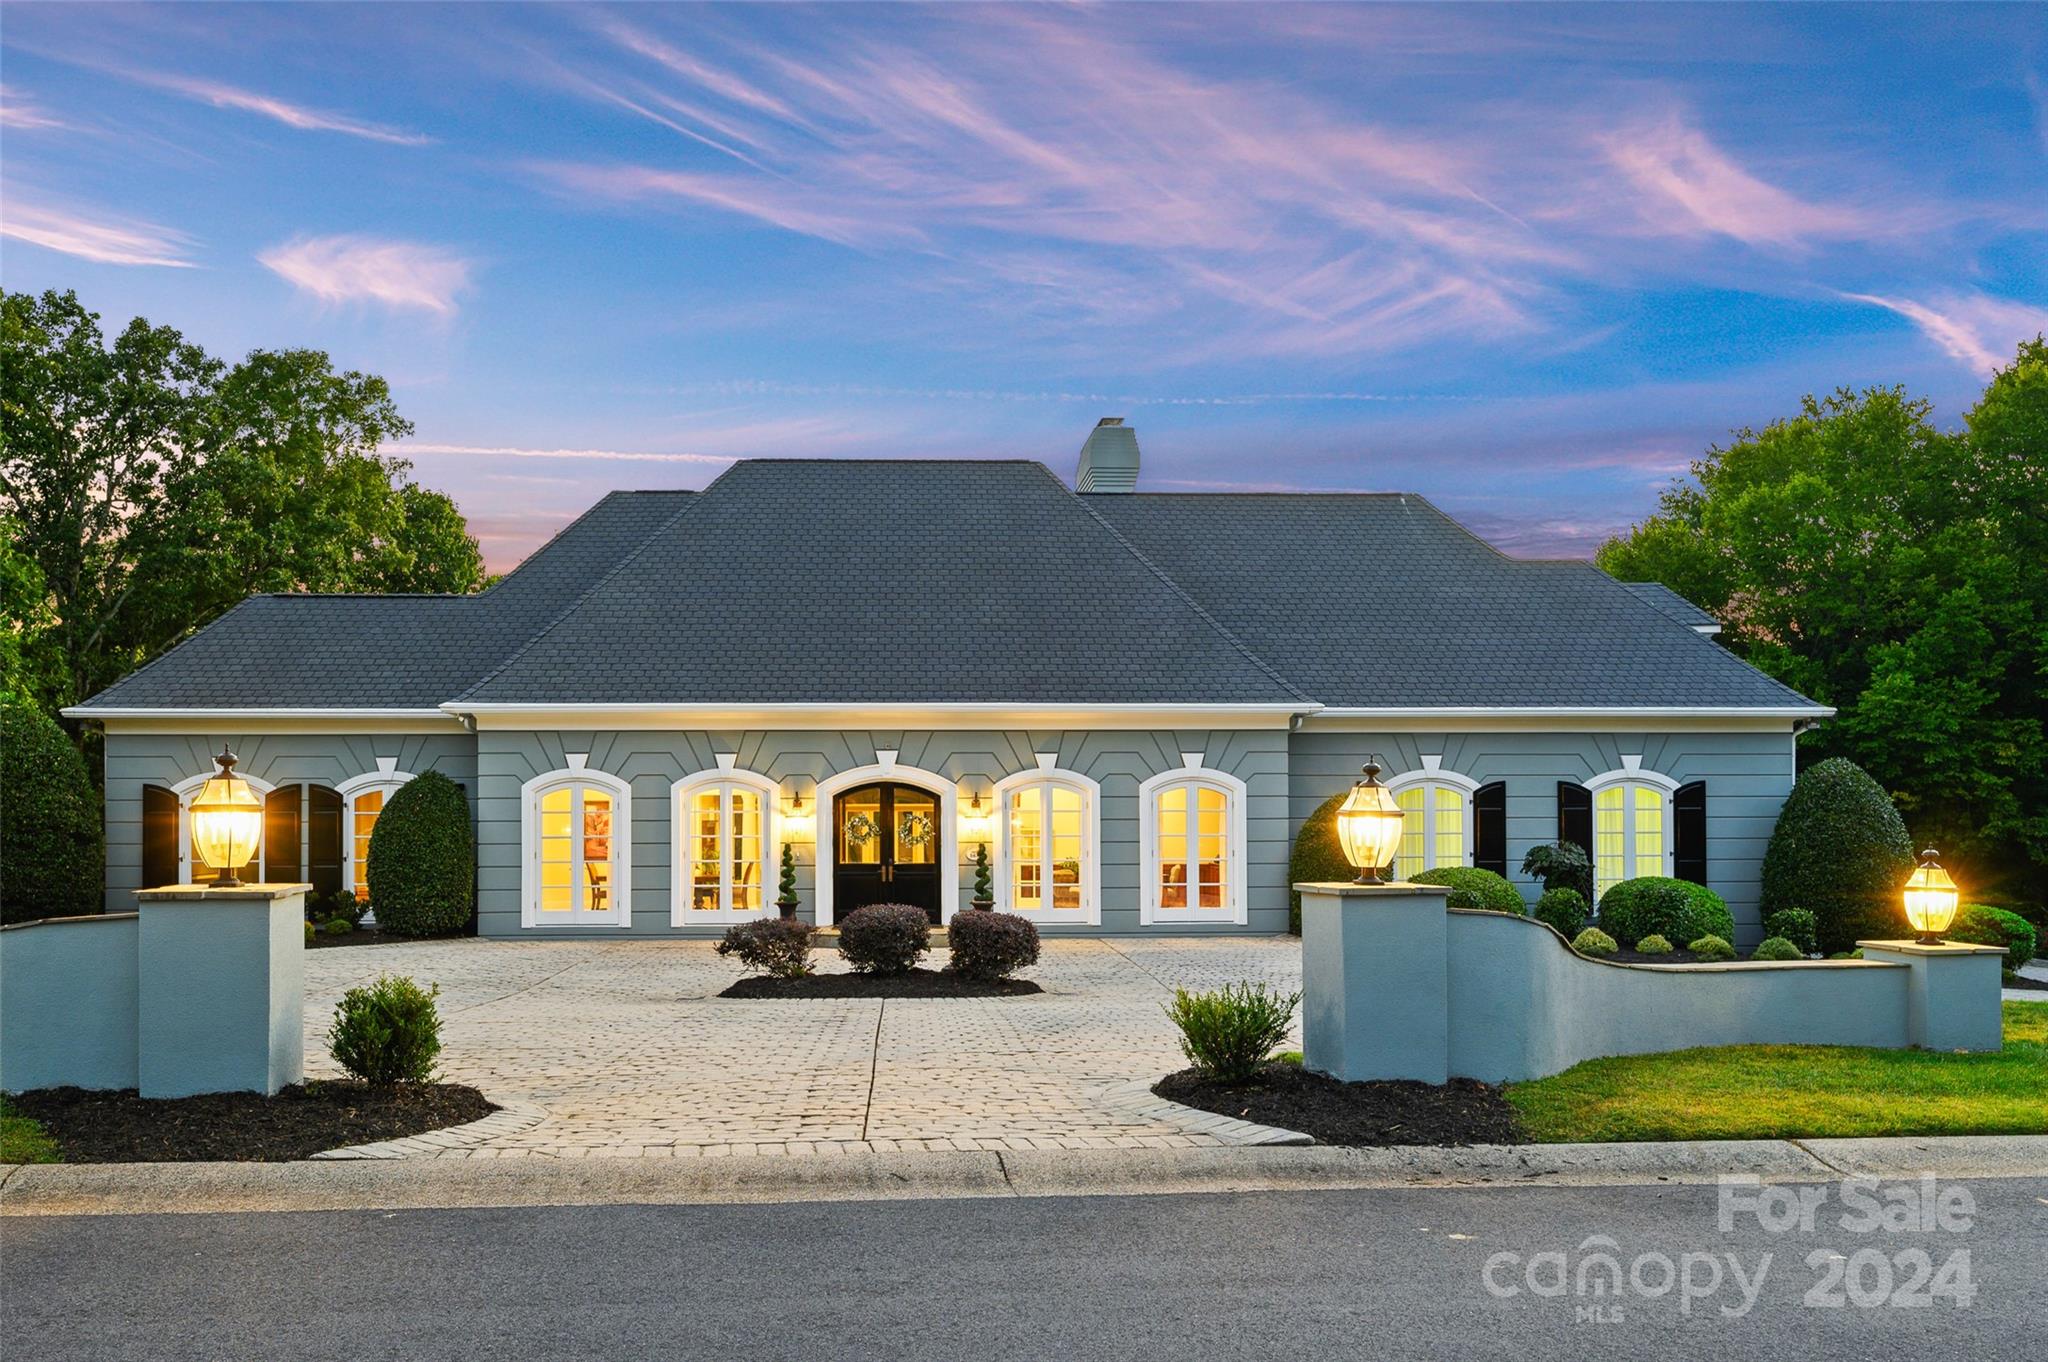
{"type": "Point", "coordinates": [1712, 948]}
{"type": "Point", "coordinates": [1594, 942]}
{"type": "Point", "coordinates": [1654, 905]}
{"type": "Point", "coordinates": [1841, 851]}
{"type": "Point", "coordinates": [52, 851]}
{"type": "Point", "coordinates": [1653, 945]}
{"type": "Point", "coordinates": [1317, 855]}
{"type": "Point", "coordinates": [388, 1032]}
{"type": "Point", "coordinates": [1795, 925]}
{"type": "Point", "coordinates": [989, 945]}
{"type": "Point", "coordinates": [885, 938]}
{"type": "Point", "coordinates": [1980, 924]}
{"type": "Point", "coordinates": [422, 872]}
{"type": "Point", "coordinates": [1776, 948]}
{"type": "Point", "coordinates": [1564, 909]}
{"type": "Point", "coordinates": [1472, 887]}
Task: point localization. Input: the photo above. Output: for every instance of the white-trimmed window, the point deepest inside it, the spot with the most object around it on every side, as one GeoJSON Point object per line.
{"type": "Point", "coordinates": [363, 800]}
{"type": "Point", "coordinates": [1191, 824]}
{"type": "Point", "coordinates": [1436, 825]}
{"type": "Point", "coordinates": [1048, 865]}
{"type": "Point", "coordinates": [724, 833]}
{"type": "Point", "coordinates": [578, 850]}
{"type": "Point", "coordinates": [1632, 833]}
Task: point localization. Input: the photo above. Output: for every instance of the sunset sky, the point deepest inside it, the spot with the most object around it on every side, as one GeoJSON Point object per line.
{"type": "Point", "coordinates": [1528, 262]}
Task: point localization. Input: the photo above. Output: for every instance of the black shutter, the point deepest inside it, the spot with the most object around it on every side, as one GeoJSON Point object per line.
{"type": "Point", "coordinates": [1689, 832]}
{"type": "Point", "coordinates": [323, 840]}
{"type": "Point", "coordinates": [281, 835]}
{"type": "Point", "coordinates": [1575, 816]}
{"type": "Point", "coordinates": [1490, 828]}
{"type": "Point", "coordinates": [159, 836]}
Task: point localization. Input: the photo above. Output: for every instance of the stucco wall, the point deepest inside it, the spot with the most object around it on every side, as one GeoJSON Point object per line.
{"type": "Point", "coordinates": [1748, 776]}
{"type": "Point", "coordinates": [67, 1003]}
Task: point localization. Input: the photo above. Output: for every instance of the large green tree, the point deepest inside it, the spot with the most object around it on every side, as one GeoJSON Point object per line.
{"type": "Point", "coordinates": [150, 486]}
{"type": "Point", "coordinates": [1899, 572]}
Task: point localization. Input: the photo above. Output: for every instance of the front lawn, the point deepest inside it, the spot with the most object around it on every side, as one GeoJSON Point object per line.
{"type": "Point", "coordinates": [23, 1140]}
{"type": "Point", "coordinates": [1741, 1092]}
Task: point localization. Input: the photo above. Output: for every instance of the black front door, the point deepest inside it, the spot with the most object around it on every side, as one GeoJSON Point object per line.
{"type": "Point", "coordinates": [888, 848]}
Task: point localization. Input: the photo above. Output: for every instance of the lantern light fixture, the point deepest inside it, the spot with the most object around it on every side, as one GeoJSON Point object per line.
{"type": "Point", "coordinates": [227, 822]}
{"type": "Point", "coordinates": [977, 823]}
{"type": "Point", "coordinates": [799, 823]}
{"type": "Point", "coordinates": [1369, 827]}
{"type": "Point", "coordinates": [1930, 899]}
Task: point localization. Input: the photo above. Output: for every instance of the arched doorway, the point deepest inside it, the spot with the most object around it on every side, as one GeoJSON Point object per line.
{"type": "Point", "coordinates": [888, 844]}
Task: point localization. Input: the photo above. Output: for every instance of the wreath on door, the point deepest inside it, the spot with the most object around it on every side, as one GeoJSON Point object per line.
{"type": "Point", "coordinates": [861, 829]}
{"type": "Point", "coordinates": [915, 829]}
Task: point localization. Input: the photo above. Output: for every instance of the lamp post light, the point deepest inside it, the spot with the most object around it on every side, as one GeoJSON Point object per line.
{"type": "Point", "coordinates": [1930, 899]}
{"type": "Point", "coordinates": [1369, 827]}
{"type": "Point", "coordinates": [227, 822]}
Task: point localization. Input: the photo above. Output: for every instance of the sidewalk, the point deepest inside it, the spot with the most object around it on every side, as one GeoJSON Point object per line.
{"type": "Point", "coordinates": [199, 1188]}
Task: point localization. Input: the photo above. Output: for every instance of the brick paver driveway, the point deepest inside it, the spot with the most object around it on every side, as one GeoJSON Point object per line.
{"type": "Point", "coordinates": [629, 1051]}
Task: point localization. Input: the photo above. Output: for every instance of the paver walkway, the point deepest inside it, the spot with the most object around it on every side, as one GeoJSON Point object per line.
{"type": "Point", "coordinates": [627, 1049]}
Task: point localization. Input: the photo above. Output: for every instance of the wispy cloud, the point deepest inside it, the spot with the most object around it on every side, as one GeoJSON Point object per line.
{"type": "Point", "coordinates": [21, 112]}
{"type": "Point", "coordinates": [106, 240]}
{"type": "Point", "coordinates": [222, 96]}
{"type": "Point", "coordinates": [1688, 186]}
{"type": "Point", "coordinates": [410, 448]}
{"type": "Point", "coordinates": [1973, 329]}
{"type": "Point", "coordinates": [399, 274]}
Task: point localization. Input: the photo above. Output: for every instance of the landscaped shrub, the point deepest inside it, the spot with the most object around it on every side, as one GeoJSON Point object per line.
{"type": "Point", "coordinates": [777, 946]}
{"type": "Point", "coordinates": [1594, 942]}
{"type": "Point", "coordinates": [1564, 909]}
{"type": "Point", "coordinates": [1840, 850]}
{"type": "Point", "coordinates": [1472, 887]}
{"type": "Point", "coordinates": [991, 945]}
{"type": "Point", "coordinates": [324, 908]}
{"type": "Point", "coordinates": [1712, 948]}
{"type": "Point", "coordinates": [885, 938]}
{"type": "Point", "coordinates": [422, 871]}
{"type": "Point", "coordinates": [1317, 855]}
{"type": "Point", "coordinates": [1677, 910]}
{"type": "Point", "coordinates": [52, 853]}
{"type": "Point", "coordinates": [1856, 954]}
{"type": "Point", "coordinates": [337, 926]}
{"type": "Point", "coordinates": [311, 932]}
{"type": "Point", "coordinates": [1776, 948]}
{"type": "Point", "coordinates": [1653, 945]}
{"type": "Point", "coordinates": [1560, 865]}
{"type": "Point", "coordinates": [1797, 926]}
{"type": "Point", "coordinates": [388, 1032]}
{"type": "Point", "coordinates": [785, 885]}
{"type": "Point", "coordinates": [1980, 924]}
{"type": "Point", "coordinates": [1228, 1033]}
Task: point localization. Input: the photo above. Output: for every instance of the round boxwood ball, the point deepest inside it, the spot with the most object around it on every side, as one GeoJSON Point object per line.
{"type": "Point", "coordinates": [423, 859]}
{"type": "Point", "coordinates": [1317, 856]}
{"type": "Point", "coordinates": [1594, 942]}
{"type": "Point", "coordinates": [1776, 948]}
{"type": "Point", "coordinates": [1472, 887]}
{"type": "Point", "coordinates": [51, 847]}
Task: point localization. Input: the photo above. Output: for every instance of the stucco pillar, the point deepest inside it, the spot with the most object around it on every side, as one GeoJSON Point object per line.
{"type": "Point", "coordinates": [220, 989]}
{"type": "Point", "coordinates": [1375, 986]}
{"type": "Point", "coordinates": [1952, 996]}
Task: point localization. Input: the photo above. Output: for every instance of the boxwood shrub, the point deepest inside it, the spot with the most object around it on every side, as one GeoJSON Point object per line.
{"type": "Point", "coordinates": [1980, 924]}
{"type": "Point", "coordinates": [388, 1032]}
{"type": "Point", "coordinates": [1564, 909]}
{"type": "Point", "coordinates": [52, 852]}
{"type": "Point", "coordinates": [990, 945]}
{"type": "Point", "coordinates": [1797, 926]}
{"type": "Point", "coordinates": [1841, 851]}
{"type": "Point", "coordinates": [885, 938]}
{"type": "Point", "coordinates": [1776, 948]}
{"type": "Point", "coordinates": [1653, 905]}
{"type": "Point", "coordinates": [1317, 855]}
{"type": "Point", "coordinates": [422, 871]}
{"type": "Point", "coordinates": [1475, 888]}
{"type": "Point", "coordinates": [1594, 942]}
{"type": "Point", "coordinates": [1712, 948]}
{"type": "Point", "coordinates": [1653, 945]}
{"type": "Point", "coordinates": [1229, 1033]}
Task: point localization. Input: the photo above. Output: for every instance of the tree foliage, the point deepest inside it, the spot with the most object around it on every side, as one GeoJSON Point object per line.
{"type": "Point", "coordinates": [1891, 569]}
{"type": "Point", "coordinates": [151, 486]}
{"type": "Point", "coordinates": [52, 856]}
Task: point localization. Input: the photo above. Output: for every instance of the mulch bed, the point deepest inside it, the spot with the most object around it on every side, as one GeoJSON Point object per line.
{"type": "Point", "coordinates": [1460, 1112]}
{"type": "Point", "coordinates": [918, 983]}
{"type": "Point", "coordinates": [2022, 981]}
{"type": "Point", "coordinates": [361, 936]}
{"type": "Point", "coordinates": [243, 1127]}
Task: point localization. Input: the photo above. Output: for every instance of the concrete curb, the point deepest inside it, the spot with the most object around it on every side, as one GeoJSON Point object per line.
{"type": "Point", "coordinates": [417, 1184]}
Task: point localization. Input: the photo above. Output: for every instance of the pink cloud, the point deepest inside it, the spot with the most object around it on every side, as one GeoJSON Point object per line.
{"type": "Point", "coordinates": [398, 274]}
{"type": "Point", "coordinates": [1687, 186]}
{"type": "Point", "coordinates": [106, 241]}
{"type": "Point", "coordinates": [1979, 331]}
{"type": "Point", "coordinates": [291, 115]}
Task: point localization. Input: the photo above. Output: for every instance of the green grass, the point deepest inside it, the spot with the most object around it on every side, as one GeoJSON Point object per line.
{"type": "Point", "coordinates": [22, 1140]}
{"type": "Point", "coordinates": [1741, 1092]}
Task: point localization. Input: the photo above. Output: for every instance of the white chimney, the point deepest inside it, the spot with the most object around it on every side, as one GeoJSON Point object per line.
{"type": "Point", "coordinates": [1109, 460]}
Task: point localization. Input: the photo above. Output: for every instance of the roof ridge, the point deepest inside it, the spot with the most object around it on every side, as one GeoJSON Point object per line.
{"type": "Point", "coordinates": [586, 514]}
{"type": "Point", "coordinates": [1200, 610]}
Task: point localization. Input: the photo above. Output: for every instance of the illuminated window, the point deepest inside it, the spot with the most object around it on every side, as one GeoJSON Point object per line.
{"type": "Point", "coordinates": [721, 843]}
{"type": "Point", "coordinates": [1631, 828]}
{"type": "Point", "coordinates": [364, 800]}
{"type": "Point", "coordinates": [1192, 826]}
{"type": "Point", "coordinates": [576, 846]}
{"type": "Point", "coordinates": [1436, 827]}
{"type": "Point", "coordinates": [1047, 848]}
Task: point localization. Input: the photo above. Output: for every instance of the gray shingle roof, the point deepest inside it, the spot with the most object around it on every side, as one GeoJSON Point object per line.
{"type": "Point", "coordinates": [1672, 604]}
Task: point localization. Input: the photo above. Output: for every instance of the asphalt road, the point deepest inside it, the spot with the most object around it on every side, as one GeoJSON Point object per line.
{"type": "Point", "coordinates": [1342, 1274]}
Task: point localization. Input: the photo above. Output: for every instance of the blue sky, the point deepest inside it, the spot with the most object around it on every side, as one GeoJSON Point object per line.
{"type": "Point", "coordinates": [1526, 261]}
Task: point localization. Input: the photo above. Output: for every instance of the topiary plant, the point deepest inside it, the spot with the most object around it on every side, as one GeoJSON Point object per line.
{"type": "Point", "coordinates": [1594, 942]}
{"type": "Point", "coordinates": [1712, 948]}
{"type": "Point", "coordinates": [1317, 856]}
{"type": "Point", "coordinates": [990, 945]}
{"type": "Point", "coordinates": [1653, 945]}
{"type": "Point", "coordinates": [389, 1032]}
{"type": "Point", "coordinates": [422, 871]}
{"type": "Point", "coordinates": [1564, 909]}
{"type": "Point", "coordinates": [1776, 948]}
{"type": "Point", "coordinates": [1677, 910]}
{"type": "Point", "coordinates": [1472, 887]}
{"type": "Point", "coordinates": [885, 938]}
{"type": "Point", "coordinates": [1982, 925]}
{"type": "Point", "coordinates": [1841, 851]}
{"type": "Point", "coordinates": [1797, 926]}
{"type": "Point", "coordinates": [1560, 865]}
{"type": "Point", "coordinates": [52, 851]}
{"type": "Point", "coordinates": [984, 879]}
{"type": "Point", "coordinates": [785, 887]}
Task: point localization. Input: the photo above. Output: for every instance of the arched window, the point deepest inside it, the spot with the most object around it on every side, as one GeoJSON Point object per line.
{"type": "Point", "coordinates": [1048, 864]}
{"type": "Point", "coordinates": [577, 849]}
{"type": "Point", "coordinates": [724, 833]}
{"type": "Point", "coordinates": [1631, 825]}
{"type": "Point", "coordinates": [1191, 824]}
{"type": "Point", "coordinates": [363, 800]}
{"type": "Point", "coordinates": [1436, 827]}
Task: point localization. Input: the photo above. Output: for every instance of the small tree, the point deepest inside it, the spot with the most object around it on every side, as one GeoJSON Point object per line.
{"type": "Point", "coordinates": [423, 859]}
{"type": "Point", "coordinates": [52, 853]}
{"type": "Point", "coordinates": [785, 889]}
{"type": "Point", "coordinates": [1560, 865]}
{"type": "Point", "coordinates": [984, 878]}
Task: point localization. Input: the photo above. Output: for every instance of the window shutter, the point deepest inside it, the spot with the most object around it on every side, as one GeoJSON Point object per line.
{"type": "Point", "coordinates": [281, 835]}
{"type": "Point", "coordinates": [1490, 828]}
{"type": "Point", "coordinates": [1575, 815]}
{"type": "Point", "coordinates": [1689, 832]}
{"type": "Point", "coordinates": [323, 840]}
{"type": "Point", "coordinates": [159, 836]}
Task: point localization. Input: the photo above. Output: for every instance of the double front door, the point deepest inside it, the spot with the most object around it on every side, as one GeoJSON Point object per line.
{"type": "Point", "coordinates": [888, 844]}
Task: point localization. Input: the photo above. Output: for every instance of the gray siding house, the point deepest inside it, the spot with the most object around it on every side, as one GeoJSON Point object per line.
{"type": "Point", "coordinates": [1132, 699]}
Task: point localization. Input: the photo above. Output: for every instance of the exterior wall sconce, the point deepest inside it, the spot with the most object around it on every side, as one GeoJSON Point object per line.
{"type": "Point", "coordinates": [1930, 899]}
{"type": "Point", "coordinates": [227, 822]}
{"type": "Point", "coordinates": [799, 820]}
{"type": "Point", "coordinates": [977, 821]}
{"type": "Point", "coordinates": [1369, 827]}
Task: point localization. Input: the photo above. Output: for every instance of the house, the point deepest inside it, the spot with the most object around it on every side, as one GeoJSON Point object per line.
{"type": "Point", "coordinates": [1131, 698]}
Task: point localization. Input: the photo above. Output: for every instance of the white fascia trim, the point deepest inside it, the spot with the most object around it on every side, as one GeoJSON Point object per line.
{"type": "Point", "coordinates": [1577, 712]}
{"type": "Point", "coordinates": [810, 715]}
{"type": "Point", "coordinates": [235, 715]}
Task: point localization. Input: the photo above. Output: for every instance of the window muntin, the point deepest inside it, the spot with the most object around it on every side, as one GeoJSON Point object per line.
{"type": "Point", "coordinates": [362, 819]}
{"type": "Point", "coordinates": [722, 844]}
{"type": "Point", "coordinates": [577, 853]}
{"type": "Point", "coordinates": [1436, 828]}
{"type": "Point", "coordinates": [1631, 820]}
{"type": "Point", "coordinates": [1047, 843]}
{"type": "Point", "coordinates": [1193, 848]}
